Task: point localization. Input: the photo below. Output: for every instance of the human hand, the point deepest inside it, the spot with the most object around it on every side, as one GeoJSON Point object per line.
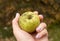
{"type": "Point", "coordinates": [41, 33]}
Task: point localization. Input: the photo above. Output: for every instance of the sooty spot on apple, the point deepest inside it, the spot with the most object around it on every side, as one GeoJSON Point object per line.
{"type": "Point", "coordinates": [29, 16]}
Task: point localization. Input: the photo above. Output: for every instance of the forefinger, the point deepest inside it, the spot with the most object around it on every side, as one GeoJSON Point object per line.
{"type": "Point", "coordinates": [41, 27]}
{"type": "Point", "coordinates": [40, 16]}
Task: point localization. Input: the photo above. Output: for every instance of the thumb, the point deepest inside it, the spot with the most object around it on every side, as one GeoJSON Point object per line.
{"type": "Point", "coordinates": [15, 22]}
{"type": "Point", "coordinates": [16, 17]}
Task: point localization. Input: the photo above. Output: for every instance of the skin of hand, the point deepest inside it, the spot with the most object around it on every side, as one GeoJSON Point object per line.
{"type": "Point", "coordinates": [41, 33]}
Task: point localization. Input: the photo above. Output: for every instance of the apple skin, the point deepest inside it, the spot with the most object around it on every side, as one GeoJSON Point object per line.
{"type": "Point", "coordinates": [28, 21]}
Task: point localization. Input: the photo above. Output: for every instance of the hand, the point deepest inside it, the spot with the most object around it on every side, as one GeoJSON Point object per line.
{"type": "Point", "coordinates": [41, 33]}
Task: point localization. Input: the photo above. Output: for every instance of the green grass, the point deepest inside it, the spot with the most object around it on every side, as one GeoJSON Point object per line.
{"type": "Point", "coordinates": [6, 34]}
{"type": "Point", "coordinates": [53, 30]}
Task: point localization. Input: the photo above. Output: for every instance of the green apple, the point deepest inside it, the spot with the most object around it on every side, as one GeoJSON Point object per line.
{"type": "Point", "coordinates": [28, 21]}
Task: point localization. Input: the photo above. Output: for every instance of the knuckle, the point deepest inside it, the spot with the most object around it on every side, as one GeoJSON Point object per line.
{"type": "Point", "coordinates": [41, 16]}
{"type": "Point", "coordinates": [46, 32]}
{"type": "Point", "coordinates": [43, 24]}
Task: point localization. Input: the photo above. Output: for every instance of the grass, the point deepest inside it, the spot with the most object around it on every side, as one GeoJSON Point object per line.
{"type": "Point", "coordinates": [54, 32]}
{"type": "Point", "coordinates": [6, 34]}
{"type": "Point", "coordinates": [53, 29]}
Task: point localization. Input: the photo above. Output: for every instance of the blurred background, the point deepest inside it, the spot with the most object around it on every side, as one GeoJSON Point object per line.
{"type": "Point", "coordinates": [50, 9]}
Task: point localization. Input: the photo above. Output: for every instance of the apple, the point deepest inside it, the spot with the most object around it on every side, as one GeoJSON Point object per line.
{"type": "Point", "coordinates": [28, 21]}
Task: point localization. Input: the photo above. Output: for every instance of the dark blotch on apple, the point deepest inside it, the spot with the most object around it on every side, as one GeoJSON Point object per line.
{"type": "Point", "coordinates": [28, 21]}
{"type": "Point", "coordinates": [29, 16]}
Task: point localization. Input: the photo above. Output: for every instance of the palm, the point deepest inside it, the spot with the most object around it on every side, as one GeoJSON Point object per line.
{"type": "Point", "coordinates": [33, 35]}
{"type": "Point", "coordinates": [24, 36]}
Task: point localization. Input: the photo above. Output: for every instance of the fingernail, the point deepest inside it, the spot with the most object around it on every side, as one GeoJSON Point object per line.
{"type": "Point", "coordinates": [41, 16]}
{"type": "Point", "coordinates": [17, 14]}
{"type": "Point", "coordinates": [37, 36]}
{"type": "Point", "coordinates": [43, 24]}
{"type": "Point", "coordinates": [36, 12]}
{"type": "Point", "coordinates": [39, 29]}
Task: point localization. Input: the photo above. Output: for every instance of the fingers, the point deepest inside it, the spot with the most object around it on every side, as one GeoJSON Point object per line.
{"type": "Point", "coordinates": [41, 27]}
{"type": "Point", "coordinates": [16, 17]}
{"type": "Point", "coordinates": [40, 16]}
{"type": "Point", "coordinates": [42, 33]}
{"type": "Point", "coordinates": [41, 30]}
{"type": "Point", "coordinates": [15, 22]}
{"type": "Point", "coordinates": [36, 12]}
